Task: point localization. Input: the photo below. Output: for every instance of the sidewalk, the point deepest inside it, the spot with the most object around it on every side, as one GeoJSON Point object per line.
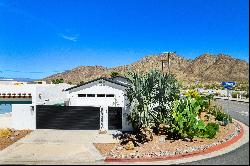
{"type": "Point", "coordinates": [232, 99]}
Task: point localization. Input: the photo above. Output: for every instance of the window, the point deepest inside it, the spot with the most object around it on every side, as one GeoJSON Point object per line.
{"type": "Point", "coordinates": [90, 95]}
{"type": "Point", "coordinates": [81, 95]}
{"type": "Point", "coordinates": [100, 95]}
{"type": "Point", "coordinates": [110, 95]}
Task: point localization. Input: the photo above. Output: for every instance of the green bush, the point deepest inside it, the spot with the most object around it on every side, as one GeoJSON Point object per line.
{"type": "Point", "coordinates": [185, 122]}
{"type": "Point", "coordinates": [221, 116]}
{"type": "Point", "coordinates": [217, 111]}
{"type": "Point", "coordinates": [210, 131]}
{"type": "Point", "coordinates": [234, 94]}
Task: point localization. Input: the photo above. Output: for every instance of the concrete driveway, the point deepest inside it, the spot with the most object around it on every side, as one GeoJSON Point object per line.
{"type": "Point", "coordinates": [55, 147]}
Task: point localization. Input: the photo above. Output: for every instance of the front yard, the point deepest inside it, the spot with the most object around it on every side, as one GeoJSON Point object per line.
{"type": "Point", "coordinates": [161, 145]}
{"type": "Point", "coordinates": [168, 123]}
{"type": "Point", "coordinates": [10, 136]}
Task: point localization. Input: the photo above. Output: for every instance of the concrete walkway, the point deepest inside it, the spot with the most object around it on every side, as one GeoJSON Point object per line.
{"type": "Point", "coordinates": [55, 146]}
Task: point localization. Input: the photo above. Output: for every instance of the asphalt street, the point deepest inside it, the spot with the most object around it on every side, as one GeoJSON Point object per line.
{"type": "Point", "coordinates": [240, 156]}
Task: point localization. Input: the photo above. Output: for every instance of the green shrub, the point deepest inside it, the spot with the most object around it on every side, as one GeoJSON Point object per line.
{"type": "Point", "coordinates": [210, 131]}
{"type": "Point", "coordinates": [234, 95]}
{"type": "Point", "coordinates": [185, 122]}
{"type": "Point", "coordinates": [221, 116]}
{"type": "Point", "coordinates": [217, 111]}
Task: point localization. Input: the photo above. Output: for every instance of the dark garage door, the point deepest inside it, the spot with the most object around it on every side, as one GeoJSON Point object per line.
{"type": "Point", "coordinates": [67, 117]}
{"type": "Point", "coordinates": [115, 118]}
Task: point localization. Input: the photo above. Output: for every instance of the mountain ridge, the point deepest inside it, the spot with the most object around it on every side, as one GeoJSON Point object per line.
{"type": "Point", "coordinates": [204, 68]}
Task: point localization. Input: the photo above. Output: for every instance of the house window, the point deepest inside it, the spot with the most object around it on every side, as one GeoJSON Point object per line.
{"type": "Point", "coordinates": [100, 95]}
{"type": "Point", "coordinates": [110, 95]}
{"type": "Point", "coordinates": [81, 95]}
{"type": "Point", "coordinates": [90, 95]}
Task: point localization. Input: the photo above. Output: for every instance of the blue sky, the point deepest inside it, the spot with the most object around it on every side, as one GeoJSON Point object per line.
{"type": "Point", "coordinates": [39, 38]}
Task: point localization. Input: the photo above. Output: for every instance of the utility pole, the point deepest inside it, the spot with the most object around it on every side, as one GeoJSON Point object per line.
{"type": "Point", "coordinates": [166, 60]}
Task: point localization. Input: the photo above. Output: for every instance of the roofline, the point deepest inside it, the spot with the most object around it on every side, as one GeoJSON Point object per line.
{"type": "Point", "coordinates": [101, 78]}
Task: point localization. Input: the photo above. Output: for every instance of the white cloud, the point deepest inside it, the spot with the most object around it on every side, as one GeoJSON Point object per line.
{"type": "Point", "coordinates": [70, 37]}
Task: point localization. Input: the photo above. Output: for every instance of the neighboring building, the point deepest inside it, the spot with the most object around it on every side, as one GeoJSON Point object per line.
{"type": "Point", "coordinates": [25, 98]}
{"type": "Point", "coordinates": [39, 82]}
{"type": "Point", "coordinates": [7, 82]}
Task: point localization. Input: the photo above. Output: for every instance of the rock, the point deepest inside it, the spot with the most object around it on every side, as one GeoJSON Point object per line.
{"type": "Point", "coordinates": [12, 130]}
{"type": "Point", "coordinates": [119, 148]}
{"type": "Point", "coordinates": [129, 146]}
{"type": "Point", "coordinates": [12, 138]}
{"type": "Point", "coordinates": [162, 139]}
{"type": "Point", "coordinates": [132, 155]}
{"type": "Point", "coordinates": [16, 133]}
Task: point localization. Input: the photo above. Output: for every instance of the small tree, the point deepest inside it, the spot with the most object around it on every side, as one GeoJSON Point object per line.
{"type": "Point", "coordinates": [57, 81]}
{"type": "Point", "coordinates": [114, 74]}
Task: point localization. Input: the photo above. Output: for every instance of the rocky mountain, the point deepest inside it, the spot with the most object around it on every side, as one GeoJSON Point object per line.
{"type": "Point", "coordinates": [205, 68]}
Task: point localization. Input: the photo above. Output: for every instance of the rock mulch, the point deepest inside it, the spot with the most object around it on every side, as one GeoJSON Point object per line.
{"type": "Point", "coordinates": [14, 136]}
{"type": "Point", "coordinates": [161, 147]}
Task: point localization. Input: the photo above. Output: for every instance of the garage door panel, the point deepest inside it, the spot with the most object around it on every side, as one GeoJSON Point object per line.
{"type": "Point", "coordinates": [68, 117]}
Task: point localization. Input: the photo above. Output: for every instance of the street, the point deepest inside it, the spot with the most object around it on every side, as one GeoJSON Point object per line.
{"type": "Point", "coordinates": [240, 156]}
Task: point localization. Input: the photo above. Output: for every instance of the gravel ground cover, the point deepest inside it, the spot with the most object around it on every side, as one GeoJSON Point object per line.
{"type": "Point", "coordinates": [12, 137]}
{"type": "Point", "coordinates": [160, 146]}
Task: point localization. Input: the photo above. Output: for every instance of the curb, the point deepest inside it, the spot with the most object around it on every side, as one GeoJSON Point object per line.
{"type": "Point", "coordinates": [196, 153]}
{"type": "Point", "coordinates": [241, 101]}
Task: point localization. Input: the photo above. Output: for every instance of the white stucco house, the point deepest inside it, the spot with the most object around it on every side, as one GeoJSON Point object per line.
{"type": "Point", "coordinates": [104, 93]}
{"type": "Point", "coordinates": [100, 104]}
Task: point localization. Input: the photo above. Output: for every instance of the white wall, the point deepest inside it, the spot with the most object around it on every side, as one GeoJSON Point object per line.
{"type": "Point", "coordinates": [102, 88]}
{"type": "Point", "coordinates": [5, 120]}
{"type": "Point", "coordinates": [96, 88]}
{"type": "Point", "coordinates": [50, 94]}
{"type": "Point", "coordinates": [23, 117]}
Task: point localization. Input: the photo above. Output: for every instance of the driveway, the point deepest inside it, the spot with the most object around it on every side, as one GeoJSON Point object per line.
{"type": "Point", "coordinates": [56, 147]}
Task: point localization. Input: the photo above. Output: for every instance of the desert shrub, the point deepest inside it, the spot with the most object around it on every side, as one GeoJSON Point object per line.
{"type": "Point", "coordinates": [246, 94]}
{"type": "Point", "coordinates": [57, 81]}
{"type": "Point", "coordinates": [221, 116]}
{"type": "Point", "coordinates": [210, 130]}
{"type": "Point", "coordinates": [4, 133]}
{"type": "Point", "coordinates": [185, 122]}
{"type": "Point", "coordinates": [114, 74]}
{"type": "Point", "coordinates": [150, 97]}
{"type": "Point", "coordinates": [234, 94]}
{"type": "Point", "coordinates": [217, 111]}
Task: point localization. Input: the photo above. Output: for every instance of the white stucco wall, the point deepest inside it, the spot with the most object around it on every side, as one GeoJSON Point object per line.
{"type": "Point", "coordinates": [5, 120]}
{"type": "Point", "coordinates": [23, 116]}
{"type": "Point", "coordinates": [119, 99]}
{"type": "Point", "coordinates": [50, 94]}
{"type": "Point", "coordinates": [94, 88]}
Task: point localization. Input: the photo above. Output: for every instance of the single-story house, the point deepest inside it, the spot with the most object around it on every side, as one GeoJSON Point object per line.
{"type": "Point", "coordinates": [108, 94]}
{"type": "Point", "coordinates": [100, 104]}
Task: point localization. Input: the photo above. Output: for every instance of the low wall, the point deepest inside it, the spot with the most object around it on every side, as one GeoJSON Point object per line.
{"type": "Point", "coordinates": [5, 120]}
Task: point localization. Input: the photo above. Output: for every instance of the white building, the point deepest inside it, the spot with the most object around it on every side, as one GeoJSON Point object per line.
{"type": "Point", "coordinates": [24, 99]}
{"type": "Point", "coordinates": [106, 94]}
{"type": "Point", "coordinates": [100, 104]}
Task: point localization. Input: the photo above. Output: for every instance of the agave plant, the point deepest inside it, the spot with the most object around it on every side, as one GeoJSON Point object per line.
{"type": "Point", "coordinates": [150, 97]}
